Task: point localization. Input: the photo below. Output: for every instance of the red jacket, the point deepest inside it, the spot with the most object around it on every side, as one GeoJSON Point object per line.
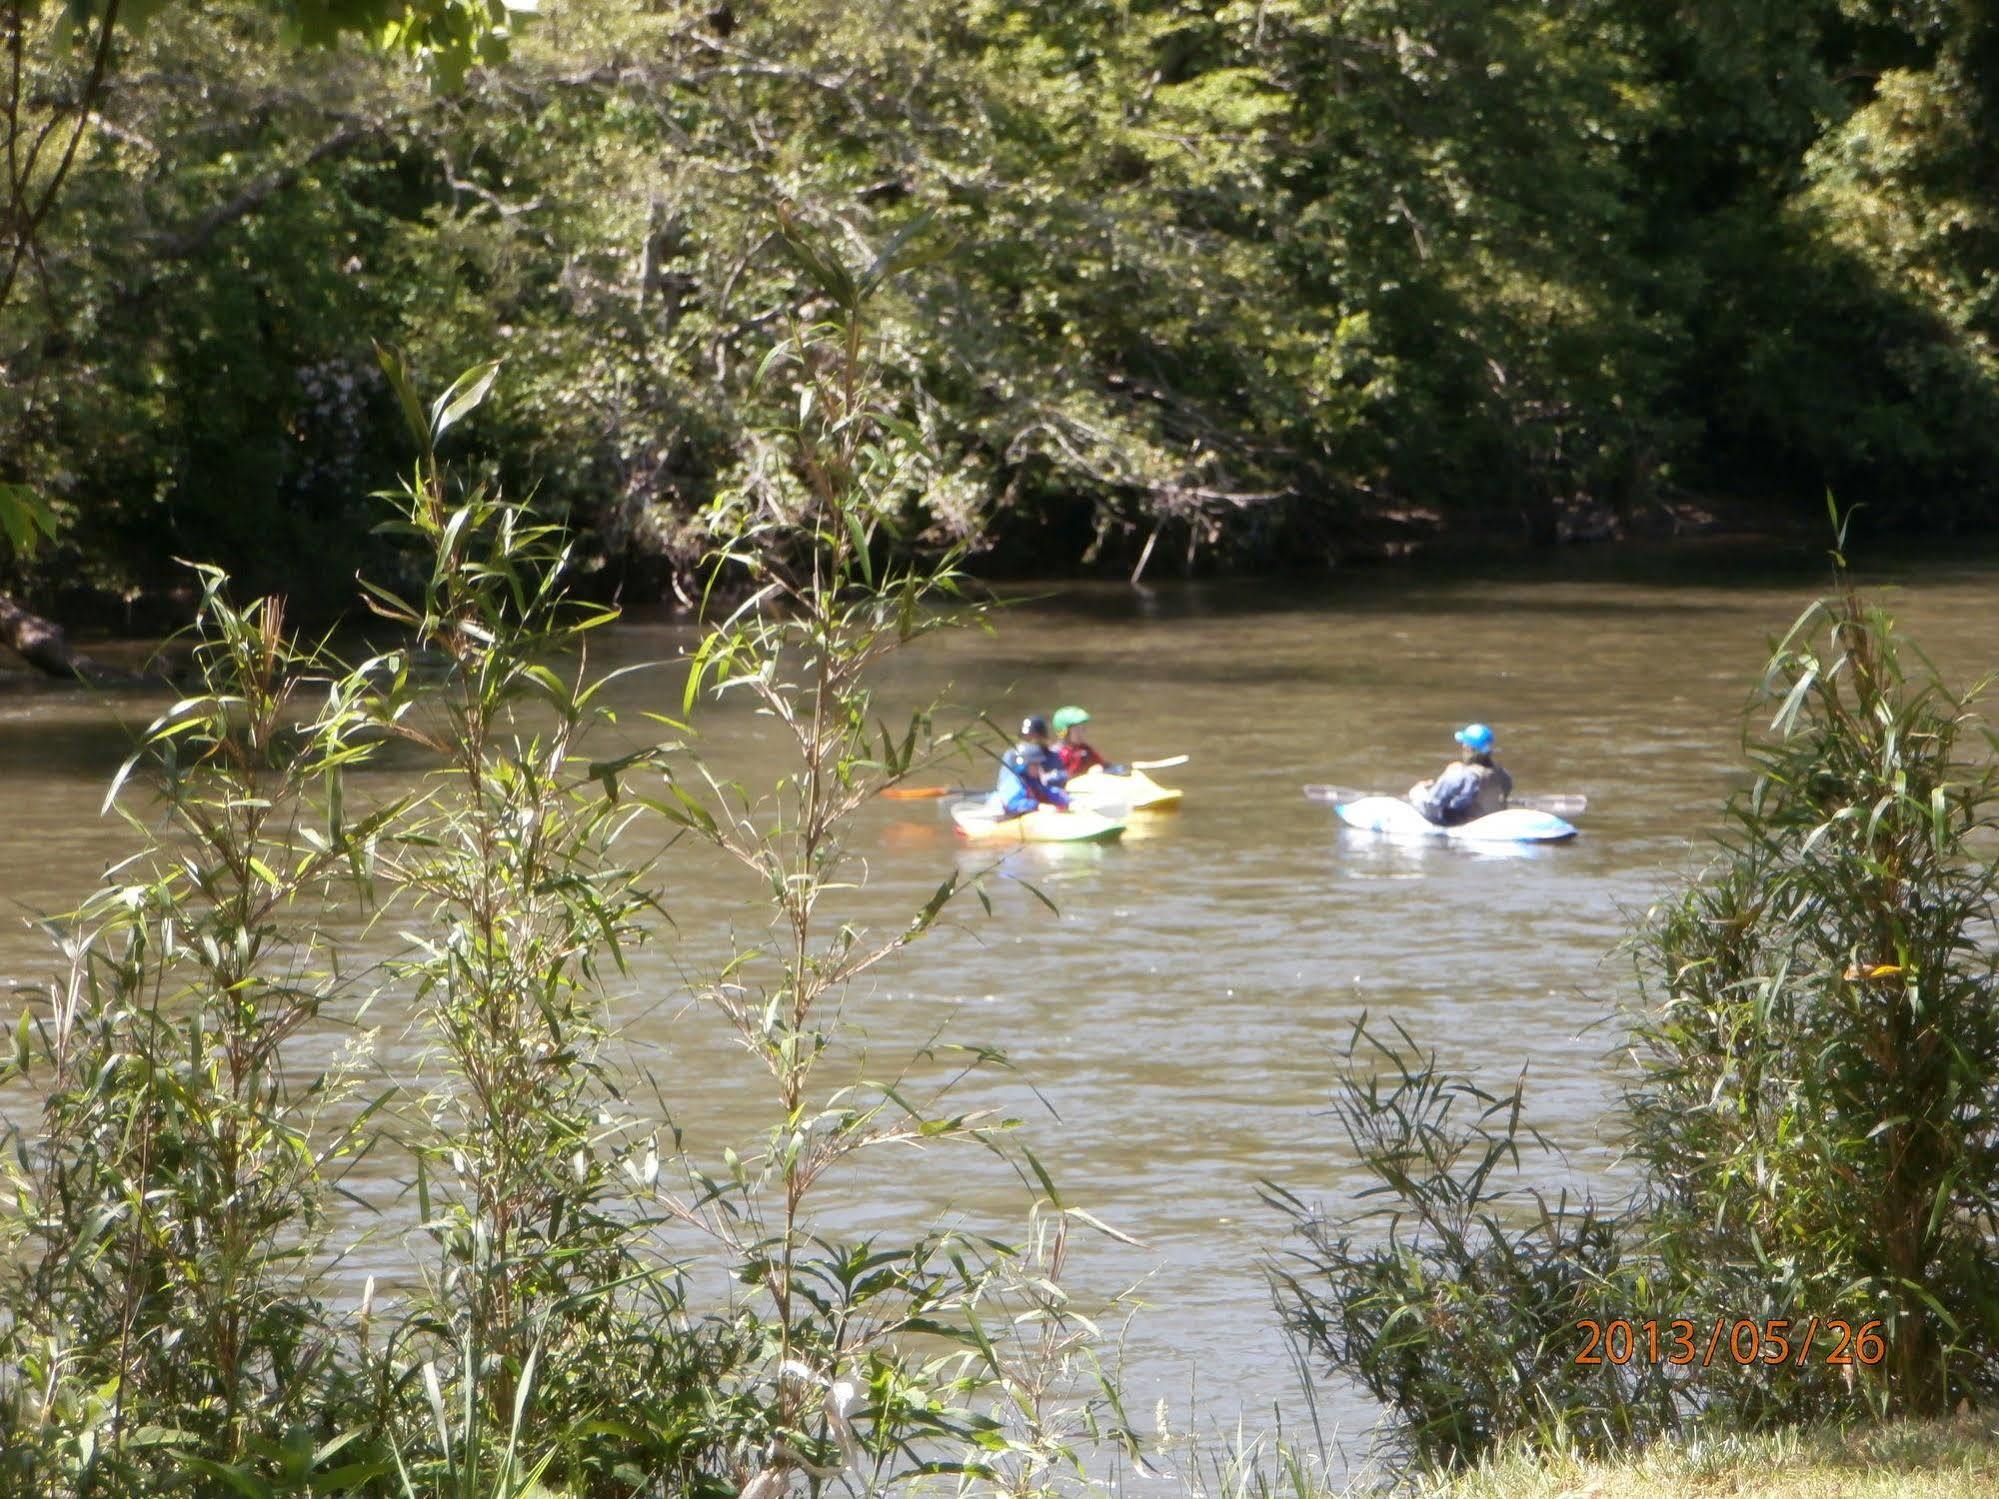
{"type": "Point", "coordinates": [1078, 757]}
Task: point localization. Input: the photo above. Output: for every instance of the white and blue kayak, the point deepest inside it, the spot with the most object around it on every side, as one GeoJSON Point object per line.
{"type": "Point", "coordinates": [1393, 817]}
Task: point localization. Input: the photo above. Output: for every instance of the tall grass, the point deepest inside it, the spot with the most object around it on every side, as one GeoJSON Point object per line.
{"type": "Point", "coordinates": [872, 1353]}
{"type": "Point", "coordinates": [162, 1247]}
{"type": "Point", "coordinates": [166, 1249]}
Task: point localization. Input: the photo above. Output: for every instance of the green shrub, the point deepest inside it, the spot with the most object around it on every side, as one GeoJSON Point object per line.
{"type": "Point", "coordinates": [1453, 1295]}
{"type": "Point", "coordinates": [1816, 1100]}
{"type": "Point", "coordinates": [161, 1251]}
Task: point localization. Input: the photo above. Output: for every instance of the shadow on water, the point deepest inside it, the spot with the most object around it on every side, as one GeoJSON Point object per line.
{"type": "Point", "coordinates": [1637, 578]}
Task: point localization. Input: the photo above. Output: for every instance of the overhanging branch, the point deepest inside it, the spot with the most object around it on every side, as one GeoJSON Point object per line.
{"type": "Point", "coordinates": [181, 243]}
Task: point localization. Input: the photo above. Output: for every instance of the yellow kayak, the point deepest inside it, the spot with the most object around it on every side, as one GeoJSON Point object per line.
{"type": "Point", "coordinates": [980, 822]}
{"type": "Point", "coordinates": [1101, 791]}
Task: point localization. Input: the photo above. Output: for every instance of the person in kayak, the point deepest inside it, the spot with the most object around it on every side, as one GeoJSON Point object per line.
{"type": "Point", "coordinates": [1077, 753]}
{"type": "Point", "coordinates": [1469, 787]}
{"type": "Point", "coordinates": [1031, 773]}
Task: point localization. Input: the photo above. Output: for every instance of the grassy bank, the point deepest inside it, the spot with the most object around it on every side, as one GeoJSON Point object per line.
{"type": "Point", "coordinates": [1906, 1460]}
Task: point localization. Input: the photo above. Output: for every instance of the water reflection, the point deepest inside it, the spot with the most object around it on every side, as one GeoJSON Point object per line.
{"type": "Point", "coordinates": [1380, 856]}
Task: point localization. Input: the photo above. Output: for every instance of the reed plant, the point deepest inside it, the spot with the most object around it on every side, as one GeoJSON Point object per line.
{"type": "Point", "coordinates": [175, 1314]}
{"type": "Point", "coordinates": [954, 1352]}
{"type": "Point", "coordinates": [1814, 1094]}
{"type": "Point", "coordinates": [161, 1252]}
{"type": "Point", "coordinates": [1452, 1288]}
{"type": "Point", "coordinates": [542, 1300]}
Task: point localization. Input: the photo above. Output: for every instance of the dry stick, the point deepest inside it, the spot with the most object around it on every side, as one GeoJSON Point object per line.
{"type": "Point", "coordinates": [1145, 556]}
{"type": "Point", "coordinates": [25, 224]}
{"type": "Point", "coordinates": [14, 47]}
{"type": "Point", "coordinates": [44, 646]}
{"type": "Point", "coordinates": [191, 239]}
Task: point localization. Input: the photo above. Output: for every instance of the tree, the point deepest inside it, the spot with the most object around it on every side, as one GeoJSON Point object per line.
{"type": "Point", "coordinates": [61, 59]}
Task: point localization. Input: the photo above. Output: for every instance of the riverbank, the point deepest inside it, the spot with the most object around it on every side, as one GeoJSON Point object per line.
{"type": "Point", "coordinates": [1957, 1459]}
{"type": "Point", "coordinates": [1705, 539]}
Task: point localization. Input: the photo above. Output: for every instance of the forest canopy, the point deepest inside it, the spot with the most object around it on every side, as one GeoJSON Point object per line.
{"type": "Point", "coordinates": [1232, 284]}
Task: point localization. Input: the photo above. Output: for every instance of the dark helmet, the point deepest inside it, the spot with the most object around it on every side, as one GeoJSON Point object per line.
{"type": "Point", "coordinates": [1034, 726]}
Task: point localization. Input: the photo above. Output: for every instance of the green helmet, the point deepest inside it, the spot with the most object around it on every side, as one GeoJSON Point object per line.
{"type": "Point", "coordinates": [1068, 718]}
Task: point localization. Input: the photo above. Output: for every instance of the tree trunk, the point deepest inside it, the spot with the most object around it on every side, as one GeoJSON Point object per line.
{"type": "Point", "coordinates": [42, 644]}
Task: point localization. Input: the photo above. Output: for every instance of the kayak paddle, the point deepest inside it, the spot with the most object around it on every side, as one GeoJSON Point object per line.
{"type": "Point", "coordinates": [929, 793]}
{"type": "Point", "coordinates": [1571, 804]}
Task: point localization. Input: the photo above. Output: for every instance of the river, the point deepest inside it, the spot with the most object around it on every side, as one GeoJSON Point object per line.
{"type": "Point", "coordinates": [1177, 1025]}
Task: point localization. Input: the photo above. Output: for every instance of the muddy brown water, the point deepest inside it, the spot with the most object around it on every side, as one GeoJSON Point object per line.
{"type": "Point", "coordinates": [1175, 1027]}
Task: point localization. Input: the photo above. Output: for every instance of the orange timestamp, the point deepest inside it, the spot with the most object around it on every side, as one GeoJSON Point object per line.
{"type": "Point", "coordinates": [1745, 1341]}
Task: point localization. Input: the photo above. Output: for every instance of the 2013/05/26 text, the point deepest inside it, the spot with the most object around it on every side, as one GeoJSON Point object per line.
{"type": "Point", "coordinates": [1746, 1340]}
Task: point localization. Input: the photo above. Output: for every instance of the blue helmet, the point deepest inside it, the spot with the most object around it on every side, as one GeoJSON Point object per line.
{"type": "Point", "coordinates": [1477, 737]}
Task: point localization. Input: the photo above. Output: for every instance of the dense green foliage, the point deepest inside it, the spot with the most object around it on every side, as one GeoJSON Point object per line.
{"type": "Point", "coordinates": [1809, 1106]}
{"type": "Point", "coordinates": [1245, 280]}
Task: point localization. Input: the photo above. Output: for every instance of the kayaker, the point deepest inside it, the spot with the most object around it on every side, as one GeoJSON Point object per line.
{"type": "Point", "coordinates": [1031, 773]}
{"type": "Point", "coordinates": [1077, 753]}
{"type": "Point", "coordinates": [1470, 786]}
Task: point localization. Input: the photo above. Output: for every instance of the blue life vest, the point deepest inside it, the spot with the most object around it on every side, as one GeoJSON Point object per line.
{"type": "Point", "coordinates": [1029, 775]}
{"type": "Point", "coordinates": [1459, 788]}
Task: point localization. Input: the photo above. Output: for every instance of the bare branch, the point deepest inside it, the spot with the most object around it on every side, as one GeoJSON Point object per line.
{"type": "Point", "coordinates": [26, 222]}
{"type": "Point", "coordinates": [180, 244]}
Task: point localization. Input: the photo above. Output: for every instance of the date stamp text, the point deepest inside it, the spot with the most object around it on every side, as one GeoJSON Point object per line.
{"type": "Point", "coordinates": [1745, 1341]}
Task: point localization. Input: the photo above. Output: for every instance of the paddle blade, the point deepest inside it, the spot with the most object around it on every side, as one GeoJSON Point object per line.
{"type": "Point", "coordinates": [1167, 764]}
{"type": "Point", "coordinates": [1334, 793]}
{"type": "Point", "coordinates": [1572, 804]}
{"type": "Point", "coordinates": [1565, 804]}
{"type": "Point", "coordinates": [919, 793]}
